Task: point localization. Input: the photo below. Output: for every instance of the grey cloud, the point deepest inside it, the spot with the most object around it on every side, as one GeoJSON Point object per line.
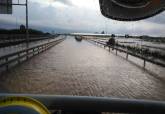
{"type": "Point", "coordinates": [66, 2]}
{"type": "Point", "coordinates": [80, 20]}
{"type": "Point", "coordinates": [159, 19]}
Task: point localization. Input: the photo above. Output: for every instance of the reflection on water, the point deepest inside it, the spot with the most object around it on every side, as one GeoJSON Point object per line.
{"type": "Point", "coordinates": [73, 68]}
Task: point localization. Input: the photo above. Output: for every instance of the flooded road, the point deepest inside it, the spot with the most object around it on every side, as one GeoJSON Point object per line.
{"type": "Point", "coordinates": [74, 68]}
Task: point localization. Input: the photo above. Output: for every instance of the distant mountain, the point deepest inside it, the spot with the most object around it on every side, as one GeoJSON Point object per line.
{"type": "Point", "coordinates": [150, 37]}
{"type": "Point", "coordinates": [18, 31]}
{"type": "Point", "coordinates": [11, 26]}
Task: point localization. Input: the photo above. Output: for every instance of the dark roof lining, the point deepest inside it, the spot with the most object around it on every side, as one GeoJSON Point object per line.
{"type": "Point", "coordinates": [129, 19]}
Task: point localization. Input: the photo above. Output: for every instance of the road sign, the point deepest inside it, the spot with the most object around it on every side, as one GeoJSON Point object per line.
{"type": "Point", "coordinates": [5, 6]}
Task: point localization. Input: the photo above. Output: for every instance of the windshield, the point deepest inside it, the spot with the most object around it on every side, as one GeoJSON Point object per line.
{"type": "Point", "coordinates": [70, 48]}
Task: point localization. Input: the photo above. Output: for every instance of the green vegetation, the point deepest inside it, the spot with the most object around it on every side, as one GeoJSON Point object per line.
{"type": "Point", "coordinates": [145, 52]}
{"type": "Point", "coordinates": [153, 39]}
{"type": "Point", "coordinates": [18, 31]}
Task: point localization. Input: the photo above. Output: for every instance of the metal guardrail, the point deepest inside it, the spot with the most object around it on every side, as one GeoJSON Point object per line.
{"type": "Point", "coordinates": [145, 59]}
{"type": "Point", "coordinates": [96, 104]}
{"type": "Point", "coordinates": [6, 60]}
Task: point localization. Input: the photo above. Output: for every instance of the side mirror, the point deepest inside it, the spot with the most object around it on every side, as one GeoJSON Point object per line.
{"type": "Point", "coordinates": [131, 10]}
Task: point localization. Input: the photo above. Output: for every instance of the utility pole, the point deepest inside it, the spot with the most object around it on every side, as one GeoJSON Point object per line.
{"type": "Point", "coordinates": [27, 25]}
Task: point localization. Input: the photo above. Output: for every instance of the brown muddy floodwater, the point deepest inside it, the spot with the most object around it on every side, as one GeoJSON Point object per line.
{"type": "Point", "coordinates": [74, 68]}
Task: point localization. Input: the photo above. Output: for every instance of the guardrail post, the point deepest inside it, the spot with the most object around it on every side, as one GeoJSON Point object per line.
{"type": "Point", "coordinates": [46, 47]}
{"type": "Point", "coordinates": [50, 45]}
{"type": "Point", "coordinates": [27, 54]}
{"type": "Point", "coordinates": [42, 49]}
{"type": "Point", "coordinates": [38, 50]}
{"type": "Point", "coordinates": [144, 63]}
{"type": "Point", "coordinates": [127, 55]}
{"type": "Point", "coordinates": [33, 51]}
{"type": "Point", "coordinates": [109, 48]}
{"type": "Point", "coordinates": [7, 66]}
{"type": "Point", "coordinates": [116, 51]}
{"type": "Point", "coordinates": [19, 58]}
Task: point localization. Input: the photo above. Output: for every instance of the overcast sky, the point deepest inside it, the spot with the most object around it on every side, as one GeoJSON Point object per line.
{"type": "Point", "coordinates": [78, 16]}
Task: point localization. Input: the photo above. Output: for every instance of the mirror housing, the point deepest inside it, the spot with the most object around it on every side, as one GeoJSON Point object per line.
{"type": "Point", "coordinates": [131, 10]}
